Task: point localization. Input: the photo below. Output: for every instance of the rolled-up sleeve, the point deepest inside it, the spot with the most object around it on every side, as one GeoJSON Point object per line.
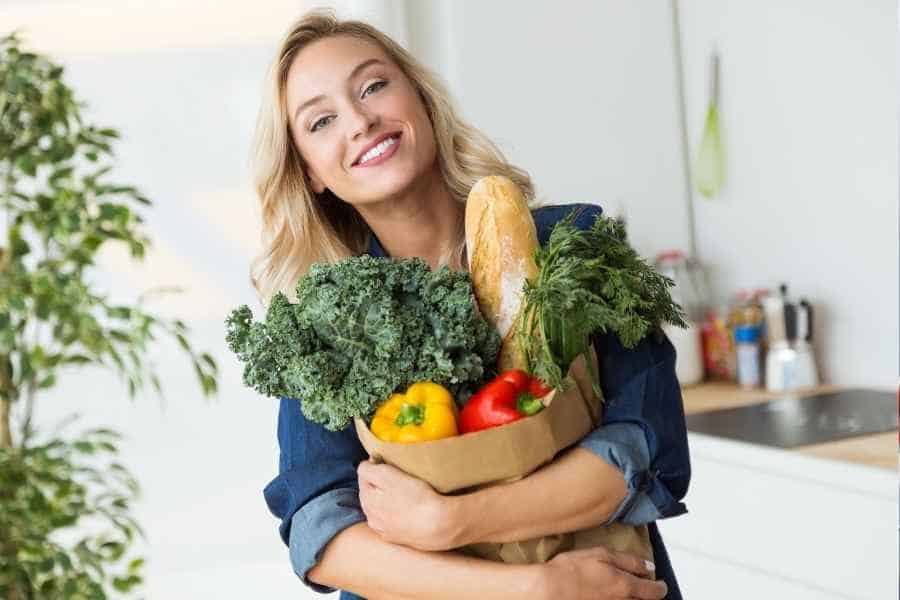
{"type": "Point", "coordinates": [316, 493]}
{"type": "Point", "coordinates": [316, 523]}
{"type": "Point", "coordinates": [643, 431]}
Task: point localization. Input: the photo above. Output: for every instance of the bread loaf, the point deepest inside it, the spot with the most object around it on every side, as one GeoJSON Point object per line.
{"type": "Point", "coordinates": [500, 242]}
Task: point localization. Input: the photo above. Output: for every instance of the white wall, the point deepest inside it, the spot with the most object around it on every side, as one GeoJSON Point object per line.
{"type": "Point", "coordinates": [809, 120]}
{"type": "Point", "coordinates": [579, 95]}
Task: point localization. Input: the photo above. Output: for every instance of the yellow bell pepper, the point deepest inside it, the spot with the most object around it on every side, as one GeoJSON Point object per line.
{"type": "Point", "coordinates": [425, 412]}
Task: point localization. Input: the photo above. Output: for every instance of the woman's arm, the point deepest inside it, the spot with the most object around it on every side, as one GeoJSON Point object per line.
{"type": "Point", "coordinates": [576, 491]}
{"type": "Point", "coordinates": [330, 546]}
{"type": "Point", "coordinates": [360, 561]}
{"type": "Point", "coordinates": [634, 468]}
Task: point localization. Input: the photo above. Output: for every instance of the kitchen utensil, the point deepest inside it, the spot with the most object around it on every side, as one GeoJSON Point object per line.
{"type": "Point", "coordinates": [709, 171]}
{"type": "Point", "coordinates": [806, 373]}
{"type": "Point", "coordinates": [790, 363]}
{"type": "Point", "coordinates": [781, 358]}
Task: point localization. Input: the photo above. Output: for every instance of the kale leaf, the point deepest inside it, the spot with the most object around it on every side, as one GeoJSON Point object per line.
{"type": "Point", "coordinates": [363, 328]}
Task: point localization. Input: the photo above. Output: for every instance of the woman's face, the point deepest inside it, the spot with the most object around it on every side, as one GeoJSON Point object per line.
{"type": "Point", "coordinates": [359, 124]}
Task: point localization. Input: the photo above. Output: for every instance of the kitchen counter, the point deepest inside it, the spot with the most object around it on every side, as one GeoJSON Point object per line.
{"type": "Point", "coordinates": [876, 450]}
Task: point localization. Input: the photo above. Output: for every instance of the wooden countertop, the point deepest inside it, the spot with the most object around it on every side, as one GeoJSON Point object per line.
{"type": "Point", "coordinates": [875, 450]}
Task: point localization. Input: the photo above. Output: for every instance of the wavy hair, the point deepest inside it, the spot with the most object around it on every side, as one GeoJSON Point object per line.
{"type": "Point", "coordinates": [300, 227]}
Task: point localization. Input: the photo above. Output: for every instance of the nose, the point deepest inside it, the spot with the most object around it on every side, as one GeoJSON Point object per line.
{"type": "Point", "coordinates": [362, 120]}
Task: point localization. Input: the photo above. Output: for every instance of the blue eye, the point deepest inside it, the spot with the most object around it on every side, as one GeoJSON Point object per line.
{"type": "Point", "coordinates": [374, 88]}
{"type": "Point", "coordinates": [321, 123]}
{"type": "Point", "coordinates": [370, 89]}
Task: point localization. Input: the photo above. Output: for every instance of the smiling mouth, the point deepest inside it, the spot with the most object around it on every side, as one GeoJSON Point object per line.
{"type": "Point", "coordinates": [380, 153]}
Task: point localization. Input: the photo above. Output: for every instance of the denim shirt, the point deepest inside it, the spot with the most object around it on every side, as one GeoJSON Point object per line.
{"type": "Point", "coordinates": [316, 493]}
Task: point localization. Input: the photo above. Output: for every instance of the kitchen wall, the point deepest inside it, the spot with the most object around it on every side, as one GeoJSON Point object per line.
{"type": "Point", "coordinates": [580, 96]}
{"type": "Point", "coordinates": [809, 121]}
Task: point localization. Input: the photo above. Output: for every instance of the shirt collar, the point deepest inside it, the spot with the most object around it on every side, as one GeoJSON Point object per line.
{"type": "Point", "coordinates": [375, 248]}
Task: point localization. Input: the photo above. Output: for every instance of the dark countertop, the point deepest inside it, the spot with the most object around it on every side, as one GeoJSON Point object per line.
{"type": "Point", "coordinates": [876, 450]}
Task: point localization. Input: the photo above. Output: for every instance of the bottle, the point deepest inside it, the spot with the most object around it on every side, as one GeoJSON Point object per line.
{"type": "Point", "coordinates": [746, 342]}
{"type": "Point", "coordinates": [718, 345]}
{"type": "Point", "coordinates": [686, 292]}
{"type": "Point", "coordinates": [758, 311]}
{"type": "Point", "coordinates": [688, 352]}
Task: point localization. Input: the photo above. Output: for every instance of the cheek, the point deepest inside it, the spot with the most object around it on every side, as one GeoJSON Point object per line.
{"type": "Point", "coordinates": [425, 127]}
{"type": "Point", "coordinates": [405, 104]}
{"type": "Point", "coordinates": [416, 114]}
{"type": "Point", "coordinates": [428, 142]}
{"type": "Point", "coordinates": [319, 154]}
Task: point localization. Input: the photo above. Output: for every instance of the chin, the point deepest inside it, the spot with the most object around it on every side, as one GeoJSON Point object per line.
{"type": "Point", "coordinates": [391, 186]}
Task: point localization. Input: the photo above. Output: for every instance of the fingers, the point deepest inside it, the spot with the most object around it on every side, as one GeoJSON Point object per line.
{"type": "Point", "coordinates": [377, 474]}
{"type": "Point", "coordinates": [631, 563]}
{"type": "Point", "coordinates": [645, 589]}
{"type": "Point", "coordinates": [365, 499]}
{"type": "Point", "coordinates": [625, 585]}
{"type": "Point", "coordinates": [622, 575]}
{"type": "Point", "coordinates": [369, 504]}
{"type": "Point", "coordinates": [370, 496]}
{"type": "Point", "coordinates": [637, 576]}
{"type": "Point", "coordinates": [366, 470]}
{"type": "Point", "coordinates": [621, 560]}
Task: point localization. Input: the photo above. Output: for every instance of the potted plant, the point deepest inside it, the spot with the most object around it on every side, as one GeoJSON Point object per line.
{"type": "Point", "coordinates": [66, 528]}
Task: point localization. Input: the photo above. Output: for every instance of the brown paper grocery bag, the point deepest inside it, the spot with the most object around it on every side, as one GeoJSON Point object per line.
{"type": "Point", "coordinates": [456, 465]}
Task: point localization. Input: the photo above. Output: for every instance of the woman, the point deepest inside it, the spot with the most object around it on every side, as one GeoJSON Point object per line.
{"type": "Point", "coordinates": [360, 151]}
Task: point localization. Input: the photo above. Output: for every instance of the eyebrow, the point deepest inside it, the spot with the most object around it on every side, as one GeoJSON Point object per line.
{"type": "Point", "coordinates": [321, 97]}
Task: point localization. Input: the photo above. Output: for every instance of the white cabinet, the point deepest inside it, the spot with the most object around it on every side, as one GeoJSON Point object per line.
{"type": "Point", "coordinates": [769, 523]}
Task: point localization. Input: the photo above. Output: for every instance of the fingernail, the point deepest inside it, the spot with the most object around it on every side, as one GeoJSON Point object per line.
{"type": "Point", "coordinates": [649, 565]}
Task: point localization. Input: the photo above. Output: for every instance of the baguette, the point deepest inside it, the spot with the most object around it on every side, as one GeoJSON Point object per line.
{"type": "Point", "coordinates": [500, 243]}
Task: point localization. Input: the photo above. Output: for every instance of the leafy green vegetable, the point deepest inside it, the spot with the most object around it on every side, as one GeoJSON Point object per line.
{"type": "Point", "coordinates": [361, 329]}
{"type": "Point", "coordinates": [589, 281]}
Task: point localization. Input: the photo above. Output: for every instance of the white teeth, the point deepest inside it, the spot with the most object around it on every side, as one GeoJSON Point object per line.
{"type": "Point", "coordinates": [378, 150]}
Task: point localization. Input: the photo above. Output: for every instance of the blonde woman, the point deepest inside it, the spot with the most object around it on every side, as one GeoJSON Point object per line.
{"type": "Point", "coordinates": [359, 150]}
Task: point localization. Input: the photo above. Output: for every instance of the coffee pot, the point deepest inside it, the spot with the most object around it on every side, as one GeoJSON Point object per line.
{"type": "Point", "coordinates": [790, 362]}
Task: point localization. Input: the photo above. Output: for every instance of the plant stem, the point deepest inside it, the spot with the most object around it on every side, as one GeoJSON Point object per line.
{"type": "Point", "coordinates": [5, 431]}
{"type": "Point", "coordinates": [7, 395]}
{"type": "Point", "coordinates": [29, 411]}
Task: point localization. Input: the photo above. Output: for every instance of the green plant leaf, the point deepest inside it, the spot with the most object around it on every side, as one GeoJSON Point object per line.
{"type": "Point", "coordinates": [59, 208]}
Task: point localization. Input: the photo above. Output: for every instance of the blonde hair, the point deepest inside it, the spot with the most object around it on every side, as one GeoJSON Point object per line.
{"type": "Point", "coordinates": [300, 227]}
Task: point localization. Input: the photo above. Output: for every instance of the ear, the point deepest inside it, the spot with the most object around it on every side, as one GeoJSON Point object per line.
{"type": "Point", "coordinates": [315, 183]}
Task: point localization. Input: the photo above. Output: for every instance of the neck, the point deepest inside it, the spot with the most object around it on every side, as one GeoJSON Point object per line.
{"type": "Point", "coordinates": [422, 222]}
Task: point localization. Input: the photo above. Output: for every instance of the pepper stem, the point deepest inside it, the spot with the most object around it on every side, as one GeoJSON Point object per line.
{"type": "Point", "coordinates": [410, 414]}
{"type": "Point", "coordinates": [529, 405]}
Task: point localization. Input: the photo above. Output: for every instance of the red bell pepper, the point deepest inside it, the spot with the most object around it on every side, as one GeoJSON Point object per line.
{"type": "Point", "coordinates": [510, 396]}
{"type": "Point", "coordinates": [538, 388]}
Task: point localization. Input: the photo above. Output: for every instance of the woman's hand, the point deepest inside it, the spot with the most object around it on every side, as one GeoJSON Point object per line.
{"type": "Point", "coordinates": [405, 510]}
{"type": "Point", "coordinates": [598, 573]}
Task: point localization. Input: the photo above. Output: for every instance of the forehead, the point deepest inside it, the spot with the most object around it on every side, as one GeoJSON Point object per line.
{"type": "Point", "coordinates": [325, 64]}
